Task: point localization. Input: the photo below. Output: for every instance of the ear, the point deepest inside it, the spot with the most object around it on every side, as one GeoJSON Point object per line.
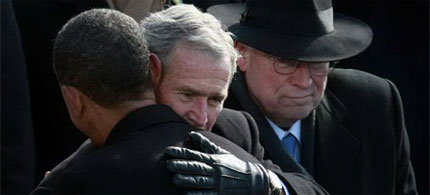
{"type": "Point", "coordinates": [73, 100]}
{"type": "Point", "coordinates": [156, 70]}
{"type": "Point", "coordinates": [242, 61]}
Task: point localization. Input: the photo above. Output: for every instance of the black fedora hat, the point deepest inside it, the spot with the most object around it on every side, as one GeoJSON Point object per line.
{"type": "Point", "coordinates": [305, 30]}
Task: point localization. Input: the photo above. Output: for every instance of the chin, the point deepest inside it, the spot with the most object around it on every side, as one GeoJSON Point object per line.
{"type": "Point", "coordinates": [298, 114]}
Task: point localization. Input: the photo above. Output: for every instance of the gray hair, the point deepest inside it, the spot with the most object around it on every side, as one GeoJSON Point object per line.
{"type": "Point", "coordinates": [186, 26]}
{"type": "Point", "coordinates": [103, 53]}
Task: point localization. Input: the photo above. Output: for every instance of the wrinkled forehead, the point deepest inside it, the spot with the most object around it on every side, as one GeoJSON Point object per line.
{"type": "Point", "coordinates": [203, 58]}
{"type": "Point", "coordinates": [199, 73]}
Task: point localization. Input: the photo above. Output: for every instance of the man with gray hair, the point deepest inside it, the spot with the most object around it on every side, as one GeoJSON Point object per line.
{"type": "Point", "coordinates": [197, 61]}
{"type": "Point", "coordinates": [102, 64]}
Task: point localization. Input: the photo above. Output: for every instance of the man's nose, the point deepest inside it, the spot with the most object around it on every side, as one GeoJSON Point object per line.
{"type": "Point", "coordinates": [302, 76]}
{"type": "Point", "coordinates": [198, 116]}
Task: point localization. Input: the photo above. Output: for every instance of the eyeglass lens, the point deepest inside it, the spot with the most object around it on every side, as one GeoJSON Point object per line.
{"type": "Point", "coordinates": [286, 66]}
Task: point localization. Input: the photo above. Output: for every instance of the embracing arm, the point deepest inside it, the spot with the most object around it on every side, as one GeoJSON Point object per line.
{"type": "Point", "coordinates": [215, 170]}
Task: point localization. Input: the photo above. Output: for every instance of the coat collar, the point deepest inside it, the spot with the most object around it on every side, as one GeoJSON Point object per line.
{"type": "Point", "coordinates": [141, 118]}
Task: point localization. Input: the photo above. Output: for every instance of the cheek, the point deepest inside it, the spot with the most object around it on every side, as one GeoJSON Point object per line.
{"type": "Point", "coordinates": [164, 97]}
{"type": "Point", "coordinates": [264, 77]}
{"type": "Point", "coordinates": [320, 87]}
{"type": "Point", "coordinates": [212, 116]}
{"type": "Point", "coordinates": [179, 106]}
{"type": "Point", "coordinates": [180, 109]}
{"type": "Point", "coordinates": [160, 93]}
{"type": "Point", "coordinates": [263, 84]}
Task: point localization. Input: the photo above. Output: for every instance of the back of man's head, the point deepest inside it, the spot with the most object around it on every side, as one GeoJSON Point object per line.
{"type": "Point", "coordinates": [103, 53]}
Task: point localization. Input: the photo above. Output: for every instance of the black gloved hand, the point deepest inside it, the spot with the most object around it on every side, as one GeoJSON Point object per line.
{"type": "Point", "coordinates": [215, 170]}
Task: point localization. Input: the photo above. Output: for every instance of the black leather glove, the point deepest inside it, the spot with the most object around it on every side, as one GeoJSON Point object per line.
{"type": "Point", "coordinates": [215, 170]}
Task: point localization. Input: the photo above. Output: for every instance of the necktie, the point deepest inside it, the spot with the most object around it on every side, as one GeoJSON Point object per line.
{"type": "Point", "coordinates": [290, 142]}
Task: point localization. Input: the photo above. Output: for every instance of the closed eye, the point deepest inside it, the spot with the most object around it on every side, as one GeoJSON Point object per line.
{"type": "Point", "coordinates": [186, 96]}
{"type": "Point", "coordinates": [216, 101]}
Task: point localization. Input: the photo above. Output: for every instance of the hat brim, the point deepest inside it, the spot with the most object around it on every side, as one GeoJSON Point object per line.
{"type": "Point", "coordinates": [349, 38]}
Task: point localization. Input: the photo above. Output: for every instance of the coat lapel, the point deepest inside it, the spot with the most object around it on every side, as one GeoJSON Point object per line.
{"type": "Point", "coordinates": [336, 147]}
{"type": "Point", "coordinates": [307, 144]}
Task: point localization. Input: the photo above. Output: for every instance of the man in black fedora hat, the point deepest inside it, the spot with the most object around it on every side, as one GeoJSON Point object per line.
{"type": "Point", "coordinates": [344, 126]}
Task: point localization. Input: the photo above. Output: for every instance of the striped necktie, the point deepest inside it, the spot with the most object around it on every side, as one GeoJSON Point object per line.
{"type": "Point", "coordinates": [292, 145]}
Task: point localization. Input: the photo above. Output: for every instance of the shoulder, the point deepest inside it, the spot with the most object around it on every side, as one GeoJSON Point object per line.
{"type": "Point", "coordinates": [371, 104]}
{"type": "Point", "coordinates": [230, 116]}
{"type": "Point", "coordinates": [356, 80]}
{"type": "Point", "coordinates": [120, 168]}
{"type": "Point", "coordinates": [234, 124]}
{"type": "Point", "coordinates": [238, 127]}
{"type": "Point", "coordinates": [230, 146]}
{"type": "Point", "coordinates": [350, 84]}
{"type": "Point", "coordinates": [69, 181]}
{"type": "Point", "coordinates": [48, 181]}
{"type": "Point", "coordinates": [364, 97]}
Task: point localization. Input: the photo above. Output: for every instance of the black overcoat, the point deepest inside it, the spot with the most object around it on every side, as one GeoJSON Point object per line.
{"type": "Point", "coordinates": [354, 142]}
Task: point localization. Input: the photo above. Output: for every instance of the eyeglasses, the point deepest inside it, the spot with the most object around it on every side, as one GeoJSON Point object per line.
{"type": "Point", "coordinates": [288, 66]}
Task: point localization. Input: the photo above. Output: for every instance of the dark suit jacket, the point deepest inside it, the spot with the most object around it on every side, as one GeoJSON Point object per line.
{"type": "Point", "coordinates": [355, 142]}
{"type": "Point", "coordinates": [132, 159]}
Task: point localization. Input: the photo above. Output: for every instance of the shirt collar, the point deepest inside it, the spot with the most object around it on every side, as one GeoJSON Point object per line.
{"type": "Point", "coordinates": [281, 133]}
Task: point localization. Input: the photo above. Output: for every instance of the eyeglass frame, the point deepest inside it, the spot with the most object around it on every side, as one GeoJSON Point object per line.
{"type": "Point", "coordinates": [296, 64]}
